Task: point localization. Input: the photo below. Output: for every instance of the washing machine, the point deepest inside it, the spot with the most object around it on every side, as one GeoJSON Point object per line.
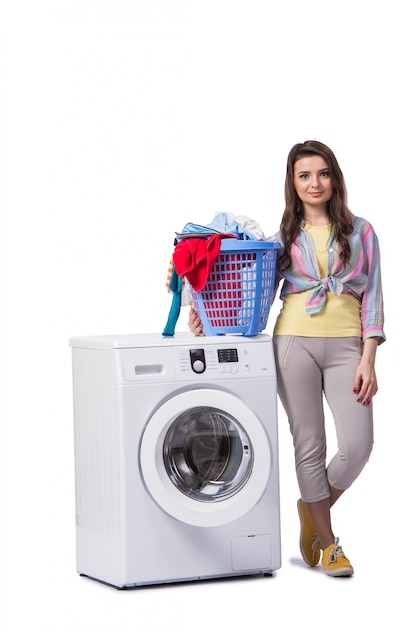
{"type": "Point", "coordinates": [176, 458]}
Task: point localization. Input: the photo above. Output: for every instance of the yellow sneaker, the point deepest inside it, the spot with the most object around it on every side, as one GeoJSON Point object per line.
{"type": "Point", "coordinates": [308, 540]}
{"type": "Point", "coordinates": [334, 561]}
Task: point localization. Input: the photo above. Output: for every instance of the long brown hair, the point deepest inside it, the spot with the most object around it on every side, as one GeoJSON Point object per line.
{"type": "Point", "coordinates": [338, 213]}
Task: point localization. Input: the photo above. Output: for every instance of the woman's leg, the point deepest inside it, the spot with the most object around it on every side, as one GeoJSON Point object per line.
{"type": "Point", "coordinates": [299, 379]}
{"type": "Point", "coordinates": [353, 421]}
{"type": "Point", "coordinates": [319, 512]}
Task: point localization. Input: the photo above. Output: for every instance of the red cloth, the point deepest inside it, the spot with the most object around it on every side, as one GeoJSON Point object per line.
{"type": "Point", "coordinates": [194, 258]}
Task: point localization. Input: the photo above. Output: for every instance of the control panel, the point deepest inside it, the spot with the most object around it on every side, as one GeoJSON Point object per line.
{"type": "Point", "coordinates": [204, 359]}
{"type": "Point", "coordinates": [221, 360]}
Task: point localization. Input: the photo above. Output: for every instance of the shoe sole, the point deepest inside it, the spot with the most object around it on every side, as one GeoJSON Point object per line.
{"type": "Point", "coordinates": [344, 571]}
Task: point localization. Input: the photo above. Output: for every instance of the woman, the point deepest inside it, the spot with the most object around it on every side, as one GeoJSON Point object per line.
{"type": "Point", "coordinates": [325, 340]}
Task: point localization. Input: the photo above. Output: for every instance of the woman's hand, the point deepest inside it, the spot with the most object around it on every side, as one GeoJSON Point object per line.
{"type": "Point", "coordinates": [365, 381]}
{"type": "Point", "coordinates": [194, 323]}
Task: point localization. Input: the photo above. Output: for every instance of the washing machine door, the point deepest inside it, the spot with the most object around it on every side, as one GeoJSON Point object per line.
{"type": "Point", "coordinates": [205, 457]}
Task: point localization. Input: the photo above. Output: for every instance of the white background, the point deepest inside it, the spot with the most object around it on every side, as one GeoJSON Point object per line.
{"type": "Point", "coordinates": [121, 120]}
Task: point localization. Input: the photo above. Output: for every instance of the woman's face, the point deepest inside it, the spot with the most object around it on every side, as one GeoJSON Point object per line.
{"type": "Point", "coordinates": [312, 182]}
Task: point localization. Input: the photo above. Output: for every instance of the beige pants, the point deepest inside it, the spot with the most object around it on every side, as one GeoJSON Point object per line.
{"type": "Point", "coordinates": [309, 369]}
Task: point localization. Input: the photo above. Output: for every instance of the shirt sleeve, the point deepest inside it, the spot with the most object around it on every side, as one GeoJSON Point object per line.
{"type": "Point", "coordinates": [372, 313]}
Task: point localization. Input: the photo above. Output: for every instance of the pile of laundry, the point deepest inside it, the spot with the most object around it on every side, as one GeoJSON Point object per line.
{"type": "Point", "coordinates": [196, 250]}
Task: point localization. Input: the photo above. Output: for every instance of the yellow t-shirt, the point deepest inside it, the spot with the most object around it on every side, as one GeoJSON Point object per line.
{"type": "Point", "coordinates": [340, 316]}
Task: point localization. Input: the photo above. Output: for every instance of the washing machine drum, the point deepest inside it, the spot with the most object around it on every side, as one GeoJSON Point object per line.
{"type": "Point", "coordinates": [205, 457]}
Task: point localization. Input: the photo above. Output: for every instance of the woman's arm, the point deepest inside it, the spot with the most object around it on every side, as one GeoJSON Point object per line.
{"type": "Point", "coordinates": [365, 381]}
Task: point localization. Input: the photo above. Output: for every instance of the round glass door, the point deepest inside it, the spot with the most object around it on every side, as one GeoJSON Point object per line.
{"type": "Point", "coordinates": [207, 454]}
{"type": "Point", "coordinates": [205, 457]}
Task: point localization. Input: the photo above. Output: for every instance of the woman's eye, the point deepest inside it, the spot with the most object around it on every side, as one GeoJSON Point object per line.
{"type": "Point", "coordinates": [325, 174]}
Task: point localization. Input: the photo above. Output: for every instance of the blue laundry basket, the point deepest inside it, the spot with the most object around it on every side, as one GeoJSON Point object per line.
{"type": "Point", "coordinates": [238, 293]}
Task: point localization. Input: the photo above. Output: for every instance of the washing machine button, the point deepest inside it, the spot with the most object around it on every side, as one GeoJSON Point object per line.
{"type": "Point", "coordinates": [198, 366]}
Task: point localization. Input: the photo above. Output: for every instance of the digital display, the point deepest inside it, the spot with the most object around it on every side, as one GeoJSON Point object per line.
{"type": "Point", "coordinates": [228, 355]}
{"type": "Point", "coordinates": [198, 353]}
